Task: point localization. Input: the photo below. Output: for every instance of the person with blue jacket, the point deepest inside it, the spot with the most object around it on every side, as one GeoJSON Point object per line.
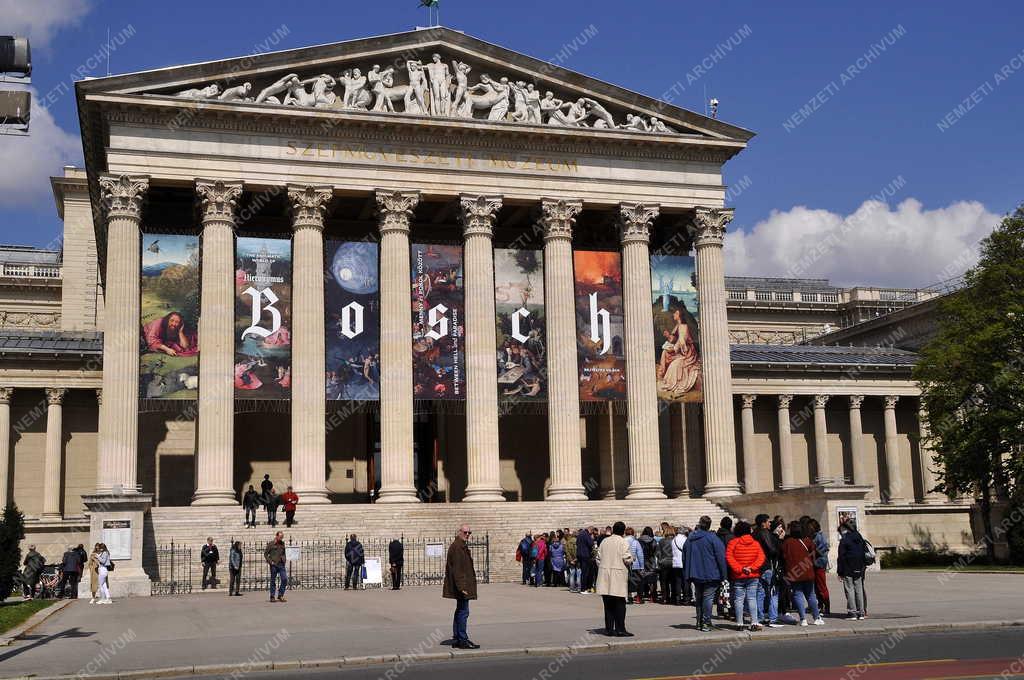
{"type": "Point", "coordinates": [585, 556]}
{"type": "Point", "coordinates": [636, 568]}
{"type": "Point", "coordinates": [704, 566]}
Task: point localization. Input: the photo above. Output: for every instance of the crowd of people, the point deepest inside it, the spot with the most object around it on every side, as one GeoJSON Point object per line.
{"type": "Point", "coordinates": [63, 581]}
{"type": "Point", "coordinates": [760, 574]}
{"type": "Point", "coordinates": [270, 500]}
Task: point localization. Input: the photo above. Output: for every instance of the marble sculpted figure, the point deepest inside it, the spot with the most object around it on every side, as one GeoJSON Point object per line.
{"type": "Point", "coordinates": [436, 88]}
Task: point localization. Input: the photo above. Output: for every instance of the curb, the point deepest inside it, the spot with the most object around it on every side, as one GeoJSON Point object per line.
{"type": "Point", "coordinates": [13, 634]}
{"type": "Point", "coordinates": [589, 648]}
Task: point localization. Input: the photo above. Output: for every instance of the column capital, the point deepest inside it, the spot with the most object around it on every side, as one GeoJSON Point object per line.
{"type": "Point", "coordinates": [123, 195]}
{"type": "Point", "coordinates": [890, 402]}
{"type": "Point", "coordinates": [710, 224]}
{"type": "Point", "coordinates": [635, 220]}
{"type": "Point", "coordinates": [558, 215]}
{"type": "Point", "coordinates": [217, 199]}
{"type": "Point", "coordinates": [6, 393]}
{"type": "Point", "coordinates": [55, 395]}
{"type": "Point", "coordinates": [820, 400]}
{"type": "Point", "coordinates": [478, 213]}
{"type": "Point", "coordinates": [784, 400]}
{"type": "Point", "coordinates": [394, 208]}
{"type": "Point", "coordinates": [308, 205]}
{"type": "Point", "coordinates": [747, 400]}
{"type": "Point", "coordinates": [856, 400]}
{"type": "Point", "coordinates": [99, 396]}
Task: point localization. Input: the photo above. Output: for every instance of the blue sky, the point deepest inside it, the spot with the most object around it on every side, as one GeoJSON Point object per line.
{"type": "Point", "coordinates": [806, 194]}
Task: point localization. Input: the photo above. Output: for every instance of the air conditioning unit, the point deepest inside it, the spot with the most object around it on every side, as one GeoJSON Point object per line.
{"type": "Point", "coordinates": [15, 55]}
{"type": "Point", "coordinates": [15, 108]}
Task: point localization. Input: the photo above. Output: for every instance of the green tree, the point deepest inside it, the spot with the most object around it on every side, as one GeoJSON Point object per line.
{"type": "Point", "coordinates": [971, 377]}
{"type": "Point", "coordinates": [12, 531]}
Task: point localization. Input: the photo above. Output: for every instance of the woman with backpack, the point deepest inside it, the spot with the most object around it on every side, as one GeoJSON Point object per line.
{"type": "Point", "coordinates": [663, 560]}
{"type": "Point", "coordinates": [850, 567]}
{"type": "Point", "coordinates": [649, 585]}
{"type": "Point", "coordinates": [798, 554]}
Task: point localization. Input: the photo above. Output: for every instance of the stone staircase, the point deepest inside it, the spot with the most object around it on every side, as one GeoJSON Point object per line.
{"type": "Point", "coordinates": [504, 523]}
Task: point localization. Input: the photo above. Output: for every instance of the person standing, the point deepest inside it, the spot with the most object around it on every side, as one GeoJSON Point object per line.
{"type": "Point", "coordinates": [539, 555]}
{"type": "Point", "coordinates": [266, 487]}
{"type": "Point", "coordinates": [354, 560]}
{"type": "Point", "coordinates": [704, 566]}
{"type": "Point", "coordinates": [277, 557]}
{"type": "Point", "coordinates": [557, 553]}
{"type": "Point", "coordinates": [585, 555]}
{"type": "Point", "coordinates": [93, 566]}
{"type": "Point", "coordinates": [235, 569]}
{"type": "Point", "coordinates": [614, 560]}
{"type": "Point", "coordinates": [767, 590]}
{"type": "Point", "coordinates": [396, 558]}
{"type": "Point", "coordinates": [250, 501]}
{"type": "Point", "coordinates": [649, 546]}
{"type": "Point", "coordinates": [460, 585]}
{"type": "Point", "coordinates": [103, 567]}
{"type": "Point", "coordinates": [850, 567]}
{"type": "Point", "coordinates": [744, 557]}
{"type": "Point", "coordinates": [663, 560]}
{"type": "Point", "coordinates": [71, 569]}
{"type": "Point", "coordinates": [209, 556]}
{"type": "Point", "coordinates": [525, 545]}
{"type": "Point", "coordinates": [289, 499]}
{"type": "Point", "coordinates": [33, 563]}
{"type": "Point", "coordinates": [798, 554]}
{"type": "Point", "coordinates": [572, 565]}
{"type": "Point", "coordinates": [820, 541]}
{"type": "Point", "coordinates": [272, 500]}
{"type": "Point", "coordinates": [680, 586]}
{"type": "Point", "coordinates": [636, 567]}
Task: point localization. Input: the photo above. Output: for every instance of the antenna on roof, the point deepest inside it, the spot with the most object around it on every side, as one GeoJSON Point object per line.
{"type": "Point", "coordinates": [108, 51]}
{"type": "Point", "coordinates": [433, 11]}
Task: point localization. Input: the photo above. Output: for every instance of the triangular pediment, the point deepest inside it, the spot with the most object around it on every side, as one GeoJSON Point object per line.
{"type": "Point", "coordinates": [435, 72]}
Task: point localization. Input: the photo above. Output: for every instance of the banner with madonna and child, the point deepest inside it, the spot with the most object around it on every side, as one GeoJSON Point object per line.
{"type": "Point", "coordinates": [169, 343]}
{"type": "Point", "coordinates": [676, 342]}
{"type": "Point", "coordinates": [352, 320]}
{"type": "Point", "coordinates": [519, 314]}
{"type": "Point", "coordinates": [263, 300]}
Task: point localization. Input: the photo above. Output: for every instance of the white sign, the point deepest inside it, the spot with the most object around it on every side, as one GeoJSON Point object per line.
{"type": "Point", "coordinates": [435, 549]}
{"type": "Point", "coordinates": [117, 535]}
{"type": "Point", "coordinates": [374, 576]}
{"type": "Point", "coordinates": [293, 553]}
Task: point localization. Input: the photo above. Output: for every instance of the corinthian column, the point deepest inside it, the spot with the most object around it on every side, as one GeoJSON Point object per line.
{"type": "Point", "coordinates": [484, 478]}
{"type": "Point", "coordinates": [557, 219]}
{"type": "Point", "coordinates": [635, 220]}
{"type": "Point", "coordinates": [928, 462]}
{"type": "Point", "coordinates": [394, 210]}
{"type": "Point", "coordinates": [719, 435]}
{"type": "Point", "coordinates": [116, 460]}
{"type": "Point", "coordinates": [860, 463]}
{"type": "Point", "coordinates": [747, 430]}
{"type": "Point", "coordinates": [892, 453]}
{"type": "Point", "coordinates": [821, 440]}
{"type": "Point", "coordinates": [216, 201]}
{"type": "Point", "coordinates": [51, 459]}
{"type": "Point", "coordinates": [5, 442]}
{"type": "Point", "coordinates": [785, 443]}
{"type": "Point", "coordinates": [309, 395]}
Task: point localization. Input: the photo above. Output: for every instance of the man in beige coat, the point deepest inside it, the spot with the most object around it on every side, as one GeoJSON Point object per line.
{"type": "Point", "coordinates": [613, 560]}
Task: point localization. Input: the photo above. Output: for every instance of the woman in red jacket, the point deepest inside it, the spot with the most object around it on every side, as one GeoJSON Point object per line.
{"type": "Point", "coordinates": [799, 554]}
{"type": "Point", "coordinates": [745, 559]}
{"type": "Point", "coordinates": [541, 546]}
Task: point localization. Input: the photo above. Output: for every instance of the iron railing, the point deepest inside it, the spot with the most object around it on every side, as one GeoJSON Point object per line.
{"type": "Point", "coordinates": [174, 570]}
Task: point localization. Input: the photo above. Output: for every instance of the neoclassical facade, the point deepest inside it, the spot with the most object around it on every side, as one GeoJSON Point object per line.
{"type": "Point", "coordinates": [421, 144]}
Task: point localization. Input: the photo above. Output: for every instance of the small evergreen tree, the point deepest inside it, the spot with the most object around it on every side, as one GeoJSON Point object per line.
{"type": "Point", "coordinates": [12, 531]}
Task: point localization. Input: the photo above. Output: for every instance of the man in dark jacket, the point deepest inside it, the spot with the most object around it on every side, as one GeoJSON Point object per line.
{"type": "Point", "coordinates": [767, 593]}
{"type": "Point", "coordinates": [209, 556]}
{"type": "Point", "coordinates": [585, 555]}
{"type": "Point", "coordinates": [250, 501]}
{"type": "Point", "coordinates": [704, 566]}
{"type": "Point", "coordinates": [850, 567]}
{"type": "Point", "coordinates": [354, 559]}
{"type": "Point", "coordinates": [272, 500]}
{"type": "Point", "coordinates": [33, 563]}
{"type": "Point", "coordinates": [724, 532]}
{"type": "Point", "coordinates": [71, 570]}
{"type": "Point", "coordinates": [524, 556]}
{"type": "Point", "coordinates": [460, 585]}
{"type": "Point", "coordinates": [276, 556]}
{"type": "Point", "coordinates": [396, 558]}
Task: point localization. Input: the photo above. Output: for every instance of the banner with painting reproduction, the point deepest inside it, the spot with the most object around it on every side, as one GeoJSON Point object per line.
{"type": "Point", "coordinates": [263, 301]}
{"type": "Point", "coordinates": [438, 330]}
{"type": "Point", "coordinates": [169, 347]}
{"type": "Point", "coordinates": [600, 335]}
{"type": "Point", "coordinates": [519, 315]}
{"type": "Point", "coordinates": [352, 320]}
{"type": "Point", "coordinates": [676, 342]}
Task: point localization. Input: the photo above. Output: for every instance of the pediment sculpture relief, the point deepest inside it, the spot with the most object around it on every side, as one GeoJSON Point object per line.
{"type": "Point", "coordinates": [435, 88]}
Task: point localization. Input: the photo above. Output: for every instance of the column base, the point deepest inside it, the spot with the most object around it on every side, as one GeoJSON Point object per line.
{"type": "Point", "coordinates": [482, 495]}
{"type": "Point", "coordinates": [398, 496]}
{"type": "Point", "coordinates": [313, 497]}
{"type": "Point", "coordinates": [934, 500]}
{"type": "Point", "coordinates": [214, 497]}
{"type": "Point", "coordinates": [643, 492]}
{"type": "Point", "coordinates": [721, 490]}
{"type": "Point", "coordinates": [571, 493]}
{"type": "Point", "coordinates": [51, 517]}
{"type": "Point", "coordinates": [680, 493]}
{"type": "Point", "coordinates": [896, 501]}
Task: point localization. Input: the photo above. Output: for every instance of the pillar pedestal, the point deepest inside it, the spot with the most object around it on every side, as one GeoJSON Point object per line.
{"type": "Point", "coordinates": [118, 520]}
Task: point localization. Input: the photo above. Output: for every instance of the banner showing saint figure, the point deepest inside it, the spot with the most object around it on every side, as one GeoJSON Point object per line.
{"type": "Point", "coordinates": [438, 331]}
{"type": "Point", "coordinates": [519, 314]}
{"type": "Point", "coordinates": [600, 336]}
{"type": "Point", "coordinates": [676, 343]}
{"type": "Point", "coordinates": [352, 320]}
{"type": "Point", "coordinates": [169, 357]}
{"type": "Point", "coordinates": [263, 301]}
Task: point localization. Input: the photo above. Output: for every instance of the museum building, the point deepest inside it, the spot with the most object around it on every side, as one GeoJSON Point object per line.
{"type": "Point", "coordinates": [407, 271]}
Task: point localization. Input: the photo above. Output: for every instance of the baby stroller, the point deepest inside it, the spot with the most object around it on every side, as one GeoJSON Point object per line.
{"type": "Point", "coordinates": [723, 600]}
{"type": "Point", "coordinates": [49, 580]}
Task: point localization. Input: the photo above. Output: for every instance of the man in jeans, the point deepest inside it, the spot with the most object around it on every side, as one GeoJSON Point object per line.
{"type": "Point", "coordinates": [209, 556]}
{"type": "Point", "coordinates": [276, 557]}
{"type": "Point", "coordinates": [850, 567]}
{"type": "Point", "coordinates": [354, 560]}
{"type": "Point", "coordinates": [704, 566]}
{"type": "Point", "coordinates": [767, 591]}
{"type": "Point", "coordinates": [460, 585]}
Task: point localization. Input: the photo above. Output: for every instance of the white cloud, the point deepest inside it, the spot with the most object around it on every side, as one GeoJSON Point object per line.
{"type": "Point", "coordinates": [30, 161]}
{"type": "Point", "coordinates": [876, 245]}
{"type": "Point", "coordinates": [40, 20]}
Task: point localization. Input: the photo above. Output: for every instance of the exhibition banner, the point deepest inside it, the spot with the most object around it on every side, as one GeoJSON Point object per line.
{"type": "Point", "coordinates": [438, 307]}
{"type": "Point", "coordinates": [676, 343]}
{"type": "Point", "coordinates": [169, 356]}
{"type": "Point", "coordinates": [519, 315]}
{"type": "Point", "coordinates": [263, 300]}
{"type": "Point", "coordinates": [352, 320]}
{"type": "Point", "coordinates": [600, 337]}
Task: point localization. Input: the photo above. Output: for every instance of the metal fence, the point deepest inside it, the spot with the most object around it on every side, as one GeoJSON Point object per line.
{"type": "Point", "coordinates": [315, 564]}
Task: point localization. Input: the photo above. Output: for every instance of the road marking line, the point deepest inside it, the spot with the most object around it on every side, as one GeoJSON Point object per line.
{"type": "Point", "coordinates": [689, 677]}
{"type": "Point", "coordinates": [898, 663]}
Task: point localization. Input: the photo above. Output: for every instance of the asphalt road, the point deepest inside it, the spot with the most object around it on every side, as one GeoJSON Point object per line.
{"type": "Point", "coordinates": [963, 655]}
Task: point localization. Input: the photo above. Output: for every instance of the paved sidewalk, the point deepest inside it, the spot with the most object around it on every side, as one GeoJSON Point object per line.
{"type": "Point", "coordinates": [213, 629]}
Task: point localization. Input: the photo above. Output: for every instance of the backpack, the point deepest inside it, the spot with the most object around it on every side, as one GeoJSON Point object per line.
{"type": "Point", "coordinates": [869, 553]}
{"type": "Point", "coordinates": [533, 551]}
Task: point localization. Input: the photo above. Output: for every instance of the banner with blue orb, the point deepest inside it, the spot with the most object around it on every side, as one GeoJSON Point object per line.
{"type": "Point", "coordinates": [352, 320]}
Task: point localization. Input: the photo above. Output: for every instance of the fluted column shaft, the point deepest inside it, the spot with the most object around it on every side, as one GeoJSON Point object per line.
{"type": "Point", "coordinates": [928, 462]}
{"type": "Point", "coordinates": [216, 201]}
{"type": "Point", "coordinates": [309, 396]}
{"type": "Point", "coordinates": [6, 393]}
{"type": "Point", "coordinates": [483, 467]}
{"type": "Point", "coordinates": [557, 220]}
{"type": "Point", "coordinates": [892, 453]}
{"type": "Point", "coordinates": [117, 455]}
{"type": "Point", "coordinates": [786, 471]}
{"type": "Point", "coordinates": [719, 432]}
{"type": "Point", "coordinates": [821, 456]}
{"type": "Point", "coordinates": [635, 221]}
{"type": "Point", "coordinates": [860, 462]}
{"type": "Point", "coordinates": [394, 210]}
{"type": "Point", "coordinates": [52, 455]}
{"type": "Point", "coordinates": [749, 454]}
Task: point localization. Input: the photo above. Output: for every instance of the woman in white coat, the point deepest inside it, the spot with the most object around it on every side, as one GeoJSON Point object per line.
{"type": "Point", "coordinates": [613, 560]}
